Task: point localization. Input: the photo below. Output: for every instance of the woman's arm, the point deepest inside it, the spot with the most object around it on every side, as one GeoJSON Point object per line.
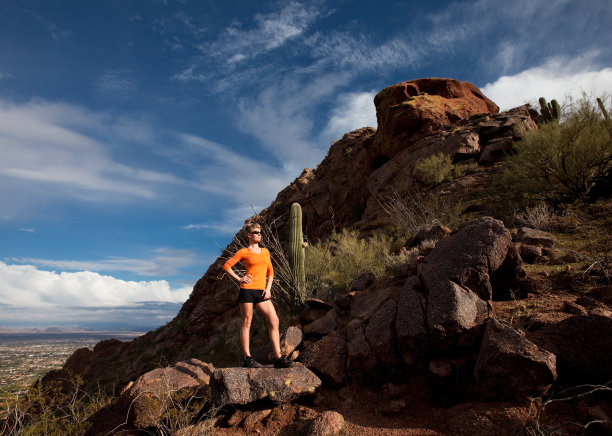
{"type": "Point", "coordinates": [244, 279]}
{"type": "Point", "coordinates": [227, 267]}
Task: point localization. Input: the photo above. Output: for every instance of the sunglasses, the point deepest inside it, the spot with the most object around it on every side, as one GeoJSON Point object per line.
{"type": "Point", "coordinates": [256, 232]}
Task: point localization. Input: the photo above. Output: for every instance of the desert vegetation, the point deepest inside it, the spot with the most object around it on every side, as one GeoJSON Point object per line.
{"type": "Point", "coordinates": [558, 163]}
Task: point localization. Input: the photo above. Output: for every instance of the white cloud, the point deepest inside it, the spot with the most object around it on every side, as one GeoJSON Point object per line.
{"type": "Point", "coordinates": [27, 286]}
{"type": "Point", "coordinates": [556, 78]}
{"type": "Point", "coordinates": [353, 111]}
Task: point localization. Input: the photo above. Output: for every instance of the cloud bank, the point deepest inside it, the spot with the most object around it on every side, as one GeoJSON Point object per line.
{"type": "Point", "coordinates": [28, 286]}
{"type": "Point", "coordinates": [556, 78]}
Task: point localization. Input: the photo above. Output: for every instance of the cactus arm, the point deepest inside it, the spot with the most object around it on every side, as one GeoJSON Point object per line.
{"type": "Point", "coordinates": [602, 108]}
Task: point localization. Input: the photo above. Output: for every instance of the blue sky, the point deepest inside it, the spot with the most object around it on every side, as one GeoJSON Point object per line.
{"type": "Point", "coordinates": [136, 136]}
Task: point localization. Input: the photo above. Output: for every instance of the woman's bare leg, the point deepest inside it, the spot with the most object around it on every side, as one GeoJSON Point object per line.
{"type": "Point", "coordinates": [246, 311]}
{"type": "Point", "coordinates": [268, 311]}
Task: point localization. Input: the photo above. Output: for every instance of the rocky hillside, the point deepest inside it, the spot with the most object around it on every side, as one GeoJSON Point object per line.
{"type": "Point", "coordinates": [433, 324]}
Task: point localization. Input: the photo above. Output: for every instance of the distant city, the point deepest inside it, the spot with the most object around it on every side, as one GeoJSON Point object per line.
{"type": "Point", "coordinates": [28, 354]}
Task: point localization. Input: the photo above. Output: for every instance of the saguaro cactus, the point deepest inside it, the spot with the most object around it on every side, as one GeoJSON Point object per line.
{"type": "Point", "coordinates": [296, 252]}
{"type": "Point", "coordinates": [602, 108]}
{"type": "Point", "coordinates": [549, 111]}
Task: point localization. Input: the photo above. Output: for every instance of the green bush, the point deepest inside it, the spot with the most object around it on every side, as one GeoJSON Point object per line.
{"type": "Point", "coordinates": [344, 256]}
{"type": "Point", "coordinates": [438, 168]}
{"type": "Point", "coordinates": [557, 163]}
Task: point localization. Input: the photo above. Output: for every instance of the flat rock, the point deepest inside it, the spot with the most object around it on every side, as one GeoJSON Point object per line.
{"type": "Point", "coordinates": [529, 236]}
{"type": "Point", "coordinates": [246, 385]}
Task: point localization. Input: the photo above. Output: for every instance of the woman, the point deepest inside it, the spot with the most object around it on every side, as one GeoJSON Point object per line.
{"type": "Point", "coordinates": [255, 290]}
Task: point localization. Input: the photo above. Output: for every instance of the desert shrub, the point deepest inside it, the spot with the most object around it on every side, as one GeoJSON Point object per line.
{"type": "Point", "coordinates": [344, 256]}
{"type": "Point", "coordinates": [438, 168]}
{"type": "Point", "coordinates": [415, 211]}
{"type": "Point", "coordinates": [541, 216]}
{"type": "Point", "coordinates": [59, 408]}
{"type": "Point", "coordinates": [557, 163]}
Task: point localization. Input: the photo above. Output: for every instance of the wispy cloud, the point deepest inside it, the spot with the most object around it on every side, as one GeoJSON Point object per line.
{"type": "Point", "coordinates": [116, 84]}
{"type": "Point", "coordinates": [558, 77]}
{"type": "Point", "coordinates": [4, 75]}
{"type": "Point", "coordinates": [64, 145]}
{"type": "Point", "coordinates": [242, 42]}
{"type": "Point", "coordinates": [56, 32]}
{"type": "Point", "coordinates": [236, 176]}
{"type": "Point", "coordinates": [28, 229]}
{"type": "Point", "coordinates": [164, 262]}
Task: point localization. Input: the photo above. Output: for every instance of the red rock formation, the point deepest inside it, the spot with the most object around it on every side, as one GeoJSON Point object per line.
{"type": "Point", "coordinates": [409, 111]}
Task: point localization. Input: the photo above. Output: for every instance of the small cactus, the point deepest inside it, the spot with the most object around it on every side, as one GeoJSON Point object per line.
{"type": "Point", "coordinates": [549, 111]}
{"type": "Point", "coordinates": [296, 252]}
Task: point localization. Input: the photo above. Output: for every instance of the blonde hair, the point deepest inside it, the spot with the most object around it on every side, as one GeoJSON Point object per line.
{"type": "Point", "coordinates": [250, 225]}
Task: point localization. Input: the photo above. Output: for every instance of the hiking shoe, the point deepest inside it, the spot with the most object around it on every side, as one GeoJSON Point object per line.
{"type": "Point", "coordinates": [283, 362]}
{"type": "Point", "coordinates": [249, 362]}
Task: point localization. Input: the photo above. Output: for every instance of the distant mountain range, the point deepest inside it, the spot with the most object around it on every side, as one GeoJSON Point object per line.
{"type": "Point", "coordinates": [5, 330]}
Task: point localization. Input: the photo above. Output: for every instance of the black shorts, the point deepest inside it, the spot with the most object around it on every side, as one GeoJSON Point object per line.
{"type": "Point", "coordinates": [254, 296]}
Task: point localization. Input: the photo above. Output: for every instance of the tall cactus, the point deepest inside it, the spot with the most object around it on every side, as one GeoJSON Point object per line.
{"type": "Point", "coordinates": [296, 253]}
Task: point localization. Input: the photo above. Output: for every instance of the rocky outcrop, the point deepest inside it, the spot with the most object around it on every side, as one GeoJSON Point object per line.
{"type": "Point", "coordinates": [409, 111]}
{"type": "Point", "coordinates": [144, 403]}
{"type": "Point", "coordinates": [442, 309]}
{"type": "Point", "coordinates": [509, 365]}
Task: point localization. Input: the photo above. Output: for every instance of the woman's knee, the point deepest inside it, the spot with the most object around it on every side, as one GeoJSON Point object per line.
{"type": "Point", "coordinates": [246, 322]}
{"type": "Point", "coordinates": [273, 321]}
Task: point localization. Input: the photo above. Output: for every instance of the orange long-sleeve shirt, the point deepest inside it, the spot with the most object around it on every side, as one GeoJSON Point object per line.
{"type": "Point", "coordinates": [258, 265]}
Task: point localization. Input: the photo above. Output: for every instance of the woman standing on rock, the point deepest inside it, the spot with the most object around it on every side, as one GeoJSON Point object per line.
{"type": "Point", "coordinates": [255, 290]}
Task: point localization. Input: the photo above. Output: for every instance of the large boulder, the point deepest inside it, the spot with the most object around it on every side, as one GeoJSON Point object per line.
{"type": "Point", "coordinates": [243, 386]}
{"type": "Point", "coordinates": [480, 255]}
{"type": "Point", "coordinates": [411, 322]}
{"type": "Point", "coordinates": [327, 358]}
{"type": "Point", "coordinates": [462, 275]}
{"type": "Point", "coordinates": [582, 345]}
{"type": "Point", "coordinates": [510, 365]}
